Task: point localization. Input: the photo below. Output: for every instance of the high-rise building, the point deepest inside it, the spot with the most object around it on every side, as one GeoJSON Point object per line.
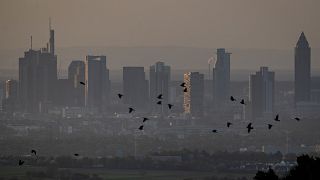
{"type": "Point", "coordinates": [11, 89]}
{"type": "Point", "coordinates": [159, 84]}
{"type": "Point", "coordinates": [10, 101]}
{"type": "Point", "coordinates": [38, 77]}
{"type": "Point", "coordinates": [221, 78]}
{"type": "Point", "coordinates": [302, 73]}
{"type": "Point", "coordinates": [97, 82]}
{"type": "Point", "coordinates": [76, 74]}
{"type": "Point", "coordinates": [194, 97]}
{"type": "Point", "coordinates": [315, 89]}
{"type": "Point", "coordinates": [261, 95]}
{"type": "Point", "coordinates": [135, 87]}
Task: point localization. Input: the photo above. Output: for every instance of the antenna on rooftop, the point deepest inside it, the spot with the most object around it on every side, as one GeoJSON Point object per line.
{"type": "Point", "coordinates": [31, 42]}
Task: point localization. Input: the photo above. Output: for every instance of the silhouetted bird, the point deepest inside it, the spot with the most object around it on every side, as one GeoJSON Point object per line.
{"type": "Point", "coordinates": [21, 162]}
{"type": "Point", "coordinates": [249, 127]}
{"type": "Point", "coordinates": [131, 110]}
{"type": "Point", "coordinates": [159, 96]}
{"type": "Point", "coordinates": [82, 83]}
{"type": "Point", "coordinates": [34, 152]}
{"type": "Point", "coordinates": [185, 90]}
{"type": "Point", "coordinates": [170, 106]}
{"type": "Point", "coordinates": [296, 118]}
{"type": "Point", "coordinates": [76, 154]}
{"type": "Point", "coordinates": [270, 126]}
{"type": "Point", "coordinates": [277, 118]}
{"type": "Point", "coordinates": [229, 124]}
{"type": "Point", "coordinates": [183, 84]}
{"type": "Point", "coordinates": [232, 98]}
{"type": "Point", "coordinates": [159, 102]}
{"type": "Point", "coordinates": [242, 102]}
{"type": "Point", "coordinates": [145, 119]}
{"type": "Point", "coordinates": [214, 131]}
{"type": "Point", "coordinates": [120, 96]}
{"type": "Point", "coordinates": [141, 128]}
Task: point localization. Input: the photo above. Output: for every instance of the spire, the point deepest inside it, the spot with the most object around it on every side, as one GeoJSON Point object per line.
{"type": "Point", "coordinates": [302, 42]}
{"type": "Point", "coordinates": [51, 39]}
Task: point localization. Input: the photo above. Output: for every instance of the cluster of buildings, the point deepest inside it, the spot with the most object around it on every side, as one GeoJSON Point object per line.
{"type": "Point", "coordinates": [39, 90]}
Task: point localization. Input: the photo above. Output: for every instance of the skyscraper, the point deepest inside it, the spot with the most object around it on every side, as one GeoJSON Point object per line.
{"type": "Point", "coordinates": [135, 86]}
{"type": "Point", "coordinates": [159, 84]}
{"type": "Point", "coordinates": [261, 93]}
{"type": "Point", "coordinates": [38, 77]}
{"type": "Point", "coordinates": [302, 74]}
{"type": "Point", "coordinates": [10, 101]}
{"type": "Point", "coordinates": [76, 74]}
{"type": "Point", "coordinates": [194, 97]}
{"type": "Point", "coordinates": [221, 78]}
{"type": "Point", "coordinates": [97, 82]}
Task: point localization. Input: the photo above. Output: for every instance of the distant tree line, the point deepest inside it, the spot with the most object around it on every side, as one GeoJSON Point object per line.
{"type": "Point", "coordinates": [183, 160]}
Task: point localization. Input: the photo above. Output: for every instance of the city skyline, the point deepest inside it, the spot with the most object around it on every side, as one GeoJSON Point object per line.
{"type": "Point", "coordinates": [159, 89]}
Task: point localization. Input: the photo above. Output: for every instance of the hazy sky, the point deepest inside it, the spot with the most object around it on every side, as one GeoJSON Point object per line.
{"type": "Point", "coordinates": [270, 24]}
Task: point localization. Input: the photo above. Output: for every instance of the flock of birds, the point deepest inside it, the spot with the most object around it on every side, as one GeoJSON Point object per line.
{"type": "Point", "coordinates": [159, 102]}
{"type": "Point", "coordinates": [249, 126]}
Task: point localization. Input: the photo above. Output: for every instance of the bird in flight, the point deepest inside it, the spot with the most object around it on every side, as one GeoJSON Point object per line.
{"type": "Point", "coordinates": [141, 127]}
{"type": "Point", "coordinates": [185, 90]}
{"type": "Point", "coordinates": [242, 102]}
{"type": "Point", "coordinates": [82, 83]}
{"type": "Point", "coordinates": [21, 162]}
{"type": "Point", "coordinates": [159, 102]}
{"type": "Point", "coordinates": [214, 131]}
{"type": "Point", "coordinates": [76, 154]}
{"type": "Point", "coordinates": [183, 84]}
{"type": "Point", "coordinates": [34, 152]}
{"type": "Point", "coordinates": [297, 119]}
{"type": "Point", "coordinates": [232, 98]}
{"type": "Point", "coordinates": [229, 124]}
{"type": "Point", "coordinates": [170, 106]}
{"type": "Point", "coordinates": [120, 95]}
{"type": "Point", "coordinates": [270, 126]}
{"type": "Point", "coordinates": [249, 127]}
{"type": "Point", "coordinates": [145, 119]}
{"type": "Point", "coordinates": [159, 96]}
{"type": "Point", "coordinates": [277, 118]}
{"type": "Point", "coordinates": [131, 110]}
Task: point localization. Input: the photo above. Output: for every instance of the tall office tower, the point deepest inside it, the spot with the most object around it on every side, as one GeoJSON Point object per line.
{"type": "Point", "coordinates": [302, 74]}
{"type": "Point", "coordinates": [10, 101]}
{"type": "Point", "coordinates": [159, 84]}
{"type": "Point", "coordinates": [37, 78]}
{"type": "Point", "coordinates": [261, 93]}
{"type": "Point", "coordinates": [194, 97]}
{"type": "Point", "coordinates": [221, 78]}
{"type": "Point", "coordinates": [135, 87]}
{"type": "Point", "coordinates": [97, 82]}
{"type": "Point", "coordinates": [76, 75]}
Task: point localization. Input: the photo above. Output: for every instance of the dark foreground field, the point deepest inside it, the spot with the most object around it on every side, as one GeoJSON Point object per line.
{"type": "Point", "coordinates": [11, 172]}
